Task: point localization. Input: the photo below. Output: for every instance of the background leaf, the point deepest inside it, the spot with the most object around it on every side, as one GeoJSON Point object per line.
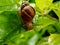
{"type": "Point", "coordinates": [43, 4]}
{"type": "Point", "coordinates": [8, 5]}
{"type": "Point", "coordinates": [8, 23]}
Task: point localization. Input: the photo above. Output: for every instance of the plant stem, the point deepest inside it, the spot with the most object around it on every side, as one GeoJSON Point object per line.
{"type": "Point", "coordinates": [46, 14]}
{"type": "Point", "coordinates": [51, 17]}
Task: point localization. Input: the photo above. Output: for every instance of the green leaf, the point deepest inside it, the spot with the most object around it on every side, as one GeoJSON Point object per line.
{"type": "Point", "coordinates": [8, 23]}
{"type": "Point", "coordinates": [43, 41]}
{"type": "Point", "coordinates": [57, 26]}
{"type": "Point", "coordinates": [19, 38]}
{"type": "Point", "coordinates": [8, 8]}
{"type": "Point", "coordinates": [33, 40]}
{"type": "Point", "coordinates": [43, 4]}
{"type": "Point", "coordinates": [56, 8]}
{"type": "Point", "coordinates": [54, 39]}
{"type": "Point", "coordinates": [41, 21]}
{"type": "Point", "coordinates": [8, 5]}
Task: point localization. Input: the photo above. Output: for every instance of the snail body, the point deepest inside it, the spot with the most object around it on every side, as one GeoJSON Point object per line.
{"type": "Point", "coordinates": [27, 14]}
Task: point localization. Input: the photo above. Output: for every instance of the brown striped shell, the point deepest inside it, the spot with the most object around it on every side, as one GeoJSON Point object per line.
{"type": "Point", "coordinates": [27, 14]}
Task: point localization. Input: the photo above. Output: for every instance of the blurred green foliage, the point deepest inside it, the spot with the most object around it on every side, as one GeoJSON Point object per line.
{"type": "Point", "coordinates": [46, 23]}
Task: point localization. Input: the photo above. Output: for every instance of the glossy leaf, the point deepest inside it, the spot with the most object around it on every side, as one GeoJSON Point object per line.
{"type": "Point", "coordinates": [43, 4]}
{"type": "Point", "coordinates": [54, 39]}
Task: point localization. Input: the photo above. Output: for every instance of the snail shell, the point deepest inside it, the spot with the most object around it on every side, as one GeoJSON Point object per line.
{"type": "Point", "coordinates": [27, 14]}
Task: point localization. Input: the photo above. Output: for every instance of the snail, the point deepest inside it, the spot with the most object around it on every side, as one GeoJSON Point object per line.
{"type": "Point", "coordinates": [27, 14]}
